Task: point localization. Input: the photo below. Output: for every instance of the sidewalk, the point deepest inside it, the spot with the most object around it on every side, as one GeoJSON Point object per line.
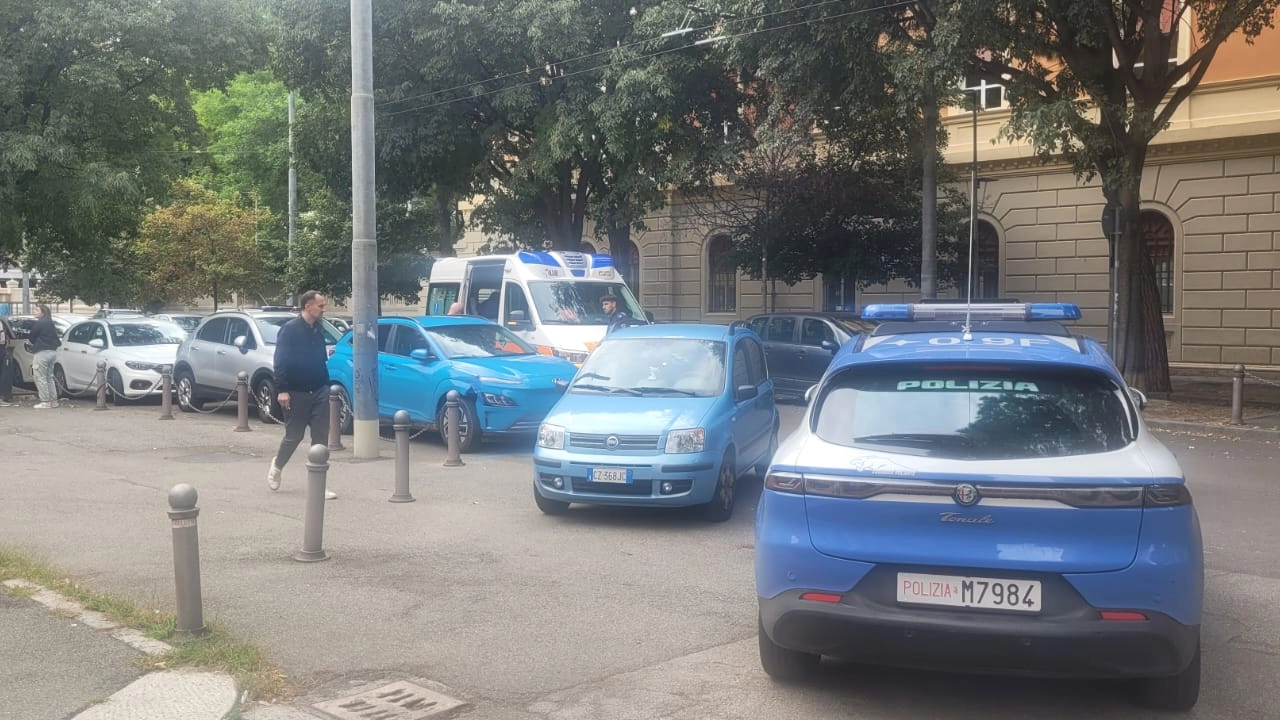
{"type": "Point", "coordinates": [85, 490]}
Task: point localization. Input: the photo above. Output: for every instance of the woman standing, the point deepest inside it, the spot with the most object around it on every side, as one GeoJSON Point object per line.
{"type": "Point", "coordinates": [44, 343]}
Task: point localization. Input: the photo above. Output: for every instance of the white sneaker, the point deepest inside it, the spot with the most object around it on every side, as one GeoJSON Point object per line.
{"type": "Point", "coordinates": [330, 495]}
{"type": "Point", "coordinates": [273, 476]}
{"type": "Point", "coordinates": [42, 406]}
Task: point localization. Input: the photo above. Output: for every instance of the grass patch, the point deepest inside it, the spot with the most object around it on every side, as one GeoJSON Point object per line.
{"type": "Point", "coordinates": [217, 650]}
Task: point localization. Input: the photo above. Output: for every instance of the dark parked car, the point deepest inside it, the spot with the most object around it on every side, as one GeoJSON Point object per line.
{"type": "Point", "coordinates": [798, 346]}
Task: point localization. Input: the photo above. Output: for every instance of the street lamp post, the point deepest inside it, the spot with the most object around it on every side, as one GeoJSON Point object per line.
{"type": "Point", "coordinates": [364, 244]}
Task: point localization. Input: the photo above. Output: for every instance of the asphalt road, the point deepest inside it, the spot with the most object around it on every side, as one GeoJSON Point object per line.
{"type": "Point", "coordinates": [602, 613]}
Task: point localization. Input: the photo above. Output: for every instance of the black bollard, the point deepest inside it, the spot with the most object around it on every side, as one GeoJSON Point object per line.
{"type": "Point", "coordinates": [335, 417]}
{"type": "Point", "coordinates": [1237, 395]}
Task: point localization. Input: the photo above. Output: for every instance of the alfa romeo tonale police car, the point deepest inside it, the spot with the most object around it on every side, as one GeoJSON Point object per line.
{"type": "Point", "coordinates": [973, 487]}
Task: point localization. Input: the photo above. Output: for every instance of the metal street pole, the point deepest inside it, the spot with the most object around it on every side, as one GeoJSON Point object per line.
{"type": "Point", "coordinates": [973, 194]}
{"type": "Point", "coordinates": [293, 197]}
{"type": "Point", "coordinates": [26, 277]}
{"type": "Point", "coordinates": [364, 244]}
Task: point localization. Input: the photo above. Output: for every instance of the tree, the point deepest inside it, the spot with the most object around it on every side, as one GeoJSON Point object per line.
{"type": "Point", "coordinates": [201, 245]}
{"type": "Point", "coordinates": [873, 77]}
{"type": "Point", "coordinates": [94, 104]}
{"type": "Point", "coordinates": [1095, 82]}
{"type": "Point", "coordinates": [559, 113]}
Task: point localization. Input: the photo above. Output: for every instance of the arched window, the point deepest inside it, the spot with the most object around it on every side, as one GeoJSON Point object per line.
{"type": "Point", "coordinates": [626, 258]}
{"type": "Point", "coordinates": [722, 276]}
{"type": "Point", "coordinates": [986, 262]}
{"type": "Point", "coordinates": [1157, 246]}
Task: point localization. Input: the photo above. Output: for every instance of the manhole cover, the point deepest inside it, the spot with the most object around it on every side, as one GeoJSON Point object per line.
{"type": "Point", "coordinates": [397, 701]}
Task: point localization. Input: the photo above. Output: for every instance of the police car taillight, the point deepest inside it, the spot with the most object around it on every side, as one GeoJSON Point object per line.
{"type": "Point", "coordinates": [1167, 496]}
{"type": "Point", "coordinates": [785, 482]}
{"type": "Point", "coordinates": [975, 311]}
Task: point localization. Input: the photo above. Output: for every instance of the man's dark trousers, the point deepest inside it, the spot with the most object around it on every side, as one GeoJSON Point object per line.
{"type": "Point", "coordinates": [306, 409]}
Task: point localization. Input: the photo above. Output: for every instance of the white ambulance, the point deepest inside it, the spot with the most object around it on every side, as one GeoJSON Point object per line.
{"type": "Point", "coordinates": [550, 299]}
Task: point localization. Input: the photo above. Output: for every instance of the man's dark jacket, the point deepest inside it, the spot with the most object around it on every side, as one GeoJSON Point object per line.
{"type": "Point", "coordinates": [301, 357]}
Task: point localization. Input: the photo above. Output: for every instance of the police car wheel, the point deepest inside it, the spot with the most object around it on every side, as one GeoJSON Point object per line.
{"type": "Point", "coordinates": [782, 664]}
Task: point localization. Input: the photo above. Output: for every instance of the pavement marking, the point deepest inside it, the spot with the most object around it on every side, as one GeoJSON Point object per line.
{"type": "Point", "coordinates": [398, 701]}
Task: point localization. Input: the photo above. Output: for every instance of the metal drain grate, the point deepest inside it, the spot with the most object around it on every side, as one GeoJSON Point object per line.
{"type": "Point", "coordinates": [397, 701]}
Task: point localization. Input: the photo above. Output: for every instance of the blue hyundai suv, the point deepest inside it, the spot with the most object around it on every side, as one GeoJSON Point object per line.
{"type": "Point", "coordinates": [660, 415]}
{"type": "Point", "coordinates": [973, 487]}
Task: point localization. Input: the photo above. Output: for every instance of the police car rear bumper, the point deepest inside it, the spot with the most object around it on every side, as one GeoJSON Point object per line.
{"type": "Point", "coordinates": [1081, 645]}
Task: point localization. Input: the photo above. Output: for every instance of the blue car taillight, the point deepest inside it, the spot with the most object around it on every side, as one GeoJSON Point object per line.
{"type": "Point", "coordinates": [1166, 496]}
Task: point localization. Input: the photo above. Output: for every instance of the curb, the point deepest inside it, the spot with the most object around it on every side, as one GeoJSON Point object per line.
{"type": "Point", "coordinates": [188, 694]}
{"type": "Point", "coordinates": [1244, 431]}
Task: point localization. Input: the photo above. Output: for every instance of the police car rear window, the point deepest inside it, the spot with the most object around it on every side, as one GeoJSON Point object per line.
{"type": "Point", "coordinates": [974, 412]}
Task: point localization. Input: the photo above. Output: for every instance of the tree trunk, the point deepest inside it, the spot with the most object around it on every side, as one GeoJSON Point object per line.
{"type": "Point", "coordinates": [1143, 355]}
{"type": "Point", "coordinates": [929, 192]}
{"type": "Point", "coordinates": [445, 207]}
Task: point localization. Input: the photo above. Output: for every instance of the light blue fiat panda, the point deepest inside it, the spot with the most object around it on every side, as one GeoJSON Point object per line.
{"type": "Point", "coordinates": [659, 415]}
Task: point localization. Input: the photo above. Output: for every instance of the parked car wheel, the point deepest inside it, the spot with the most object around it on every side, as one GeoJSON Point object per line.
{"type": "Point", "coordinates": [720, 508]}
{"type": "Point", "coordinates": [346, 419]}
{"type": "Point", "coordinates": [549, 506]}
{"type": "Point", "coordinates": [468, 428]}
{"type": "Point", "coordinates": [60, 388]}
{"type": "Point", "coordinates": [186, 391]}
{"type": "Point", "coordinates": [783, 664]}
{"type": "Point", "coordinates": [115, 386]}
{"type": "Point", "coordinates": [1176, 692]}
{"type": "Point", "coordinates": [264, 396]}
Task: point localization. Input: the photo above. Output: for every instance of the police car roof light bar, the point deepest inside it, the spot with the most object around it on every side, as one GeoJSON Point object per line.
{"type": "Point", "coordinates": [974, 311]}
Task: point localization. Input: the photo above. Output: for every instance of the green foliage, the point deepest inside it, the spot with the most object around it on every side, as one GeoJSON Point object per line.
{"type": "Point", "coordinates": [201, 245]}
{"type": "Point", "coordinates": [93, 109]}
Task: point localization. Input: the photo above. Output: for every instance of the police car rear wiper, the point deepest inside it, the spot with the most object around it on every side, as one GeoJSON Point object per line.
{"type": "Point", "coordinates": [604, 388]}
{"type": "Point", "coordinates": [676, 391]}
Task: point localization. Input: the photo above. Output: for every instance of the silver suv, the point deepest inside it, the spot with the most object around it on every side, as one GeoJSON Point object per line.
{"type": "Point", "coordinates": [227, 342]}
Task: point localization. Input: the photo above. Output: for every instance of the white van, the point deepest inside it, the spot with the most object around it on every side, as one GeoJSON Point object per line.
{"type": "Point", "coordinates": [551, 299]}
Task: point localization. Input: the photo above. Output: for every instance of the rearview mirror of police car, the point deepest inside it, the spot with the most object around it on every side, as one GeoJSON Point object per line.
{"type": "Point", "coordinates": [808, 394]}
{"type": "Point", "coordinates": [1139, 397]}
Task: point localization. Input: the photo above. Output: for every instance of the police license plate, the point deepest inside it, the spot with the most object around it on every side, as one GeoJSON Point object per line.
{"type": "Point", "coordinates": [610, 475]}
{"type": "Point", "coordinates": [969, 592]}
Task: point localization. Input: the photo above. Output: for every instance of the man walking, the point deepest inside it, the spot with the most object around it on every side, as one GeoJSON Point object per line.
{"type": "Point", "coordinates": [302, 381]}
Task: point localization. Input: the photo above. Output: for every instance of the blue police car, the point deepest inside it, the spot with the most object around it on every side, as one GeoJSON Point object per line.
{"type": "Point", "coordinates": [660, 415]}
{"type": "Point", "coordinates": [973, 487]}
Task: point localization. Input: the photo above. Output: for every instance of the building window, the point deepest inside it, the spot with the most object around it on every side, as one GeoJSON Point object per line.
{"type": "Point", "coordinates": [1157, 247]}
{"type": "Point", "coordinates": [986, 262]}
{"type": "Point", "coordinates": [626, 258]}
{"type": "Point", "coordinates": [990, 95]}
{"type": "Point", "coordinates": [722, 281]}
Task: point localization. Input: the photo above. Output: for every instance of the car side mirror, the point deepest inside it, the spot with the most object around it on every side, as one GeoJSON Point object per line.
{"type": "Point", "coordinates": [808, 394]}
{"type": "Point", "coordinates": [745, 392]}
{"type": "Point", "coordinates": [648, 315]}
{"type": "Point", "coordinates": [422, 355]}
{"type": "Point", "coordinates": [1139, 398]}
{"type": "Point", "coordinates": [242, 343]}
{"type": "Point", "coordinates": [830, 345]}
{"type": "Point", "coordinates": [97, 343]}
